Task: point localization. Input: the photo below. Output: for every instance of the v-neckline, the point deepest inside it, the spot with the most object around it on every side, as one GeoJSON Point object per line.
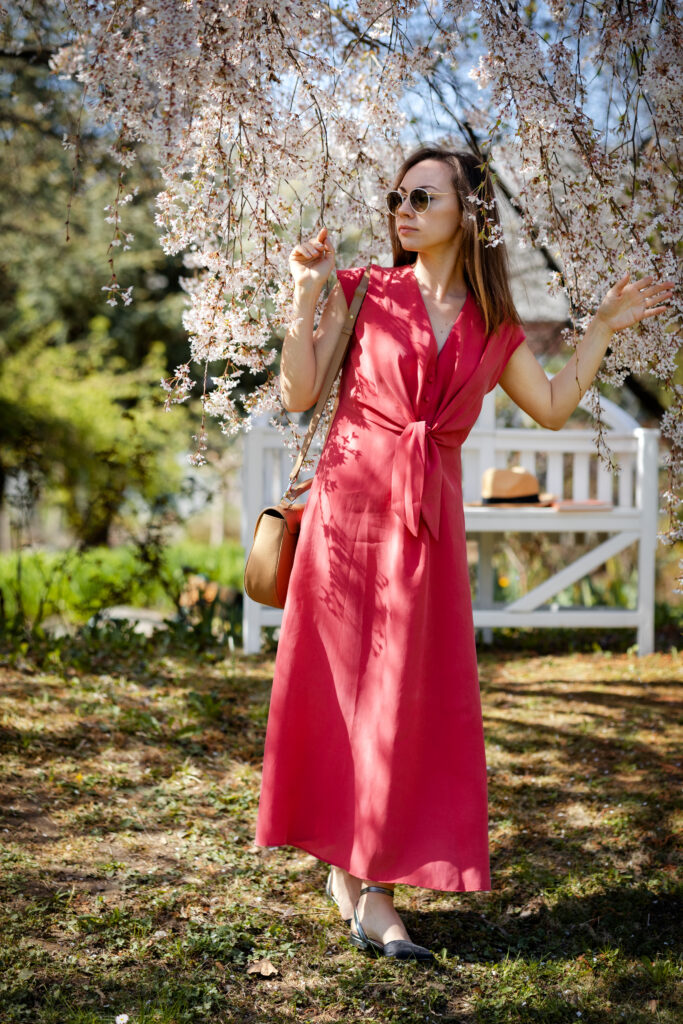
{"type": "Point", "coordinates": [428, 318]}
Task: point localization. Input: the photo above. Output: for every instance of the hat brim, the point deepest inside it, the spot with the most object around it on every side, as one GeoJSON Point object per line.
{"type": "Point", "coordinates": [543, 501]}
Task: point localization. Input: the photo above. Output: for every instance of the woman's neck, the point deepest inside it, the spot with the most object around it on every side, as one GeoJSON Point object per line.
{"type": "Point", "coordinates": [441, 273]}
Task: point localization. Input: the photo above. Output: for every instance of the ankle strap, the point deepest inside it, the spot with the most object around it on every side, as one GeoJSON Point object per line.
{"type": "Point", "coordinates": [376, 888]}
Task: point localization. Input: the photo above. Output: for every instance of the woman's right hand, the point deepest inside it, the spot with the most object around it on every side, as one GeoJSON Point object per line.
{"type": "Point", "coordinates": [311, 263]}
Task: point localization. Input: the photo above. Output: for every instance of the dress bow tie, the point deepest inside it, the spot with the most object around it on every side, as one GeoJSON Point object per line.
{"type": "Point", "coordinates": [416, 477]}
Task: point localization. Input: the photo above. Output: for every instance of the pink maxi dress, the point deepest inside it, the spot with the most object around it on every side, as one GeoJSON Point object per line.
{"type": "Point", "coordinates": [374, 755]}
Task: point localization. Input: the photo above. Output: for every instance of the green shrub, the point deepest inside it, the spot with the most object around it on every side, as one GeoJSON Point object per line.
{"type": "Point", "coordinates": [37, 584]}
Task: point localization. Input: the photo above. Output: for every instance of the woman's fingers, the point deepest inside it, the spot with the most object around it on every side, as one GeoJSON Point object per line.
{"type": "Point", "coordinates": [654, 311]}
{"type": "Point", "coordinates": [646, 286]}
{"type": "Point", "coordinates": [306, 251]}
{"type": "Point", "coordinates": [314, 249]}
{"type": "Point", "coordinates": [619, 286]}
{"type": "Point", "coordinates": [654, 296]}
{"type": "Point", "coordinates": [649, 293]}
{"type": "Point", "coordinates": [665, 286]}
{"type": "Point", "coordinates": [628, 302]}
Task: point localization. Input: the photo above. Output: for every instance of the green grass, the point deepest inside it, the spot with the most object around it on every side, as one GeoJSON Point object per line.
{"type": "Point", "coordinates": [129, 882]}
{"type": "Point", "coordinates": [75, 585]}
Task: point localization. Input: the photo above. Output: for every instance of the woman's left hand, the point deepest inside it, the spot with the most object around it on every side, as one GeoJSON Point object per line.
{"type": "Point", "coordinates": [627, 303]}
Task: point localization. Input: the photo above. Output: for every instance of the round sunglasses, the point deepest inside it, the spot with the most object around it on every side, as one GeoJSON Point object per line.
{"type": "Point", "coordinates": [419, 199]}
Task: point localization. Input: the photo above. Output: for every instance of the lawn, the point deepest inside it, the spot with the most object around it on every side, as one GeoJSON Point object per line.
{"type": "Point", "coordinates": [130, 884]}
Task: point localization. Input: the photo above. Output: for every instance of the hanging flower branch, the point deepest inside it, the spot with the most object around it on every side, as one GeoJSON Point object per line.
{"type": "Point", "coordinates": [270, 119]}
{"type": "Point", "coordinates": [259, 114]}
{"type": "Point", "coordinates": [589, 116]}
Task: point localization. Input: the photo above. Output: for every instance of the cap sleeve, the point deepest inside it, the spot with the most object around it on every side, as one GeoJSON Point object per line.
{"type": "Point", "coordinates": [349, 280]}
{"type": "Point", "coordinates": [511, 338]}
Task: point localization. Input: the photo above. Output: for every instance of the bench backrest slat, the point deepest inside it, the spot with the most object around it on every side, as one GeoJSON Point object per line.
{"type": "Point", "coordinates": [625, 481]}
{"type": "Point", "coordinates": [580, 477]}
{"type": "Point", "coordinates": [554, 480]}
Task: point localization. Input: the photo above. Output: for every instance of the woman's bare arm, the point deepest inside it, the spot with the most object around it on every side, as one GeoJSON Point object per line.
{"type": "Point", "coordinates": [552, 401]}
{"type": "Point", "coordinates": [307, 353]}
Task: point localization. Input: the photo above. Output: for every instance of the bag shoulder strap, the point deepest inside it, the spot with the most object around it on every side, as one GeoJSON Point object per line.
{"type": "Point", "coordinates": [332, 371]}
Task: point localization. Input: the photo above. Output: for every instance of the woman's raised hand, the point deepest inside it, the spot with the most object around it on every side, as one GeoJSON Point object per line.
{"type": "Point", "coordinates": [628, 302]}
{"type": "Point", "coordinates": [311, 263]}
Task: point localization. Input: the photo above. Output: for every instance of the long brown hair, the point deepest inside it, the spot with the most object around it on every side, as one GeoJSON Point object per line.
{"type": "Point", "coordinates": [485, 267]}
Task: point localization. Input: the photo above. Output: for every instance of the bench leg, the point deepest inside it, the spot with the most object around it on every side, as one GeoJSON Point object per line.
{"type": "Point", "coordinates": [251, 627]}
{"type": "Point", "coordinates": [646, 595]}
{"type": "Point", "coordinates": [485, 580]}
{"type": "Point", "coordinates": [648, 500]}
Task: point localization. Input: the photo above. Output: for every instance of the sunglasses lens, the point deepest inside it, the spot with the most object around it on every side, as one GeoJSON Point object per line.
{"type": "Point", "coordinates": [394, 200]}
{"type": "Point", "coordinates": [419, 200]}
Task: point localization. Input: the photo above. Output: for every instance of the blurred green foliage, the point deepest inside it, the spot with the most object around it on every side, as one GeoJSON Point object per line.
{"type": "Point", "coordinates": [81, 410]}
{"type": "Point", "coordinates": [88, 427]}
{"type": "Point", "coordinates": [75, 586]}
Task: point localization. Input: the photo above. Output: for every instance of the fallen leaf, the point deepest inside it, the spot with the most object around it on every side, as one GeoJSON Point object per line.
{"type": "Point", "coordinates": [263, 967]}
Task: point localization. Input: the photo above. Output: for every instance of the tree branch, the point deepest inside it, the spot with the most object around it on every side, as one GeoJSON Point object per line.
{"type": "Point", "coordinates": [30, 55]}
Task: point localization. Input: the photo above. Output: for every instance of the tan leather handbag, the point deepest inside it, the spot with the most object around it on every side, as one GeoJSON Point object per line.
{"type": "Point", "coordinates": [270, 561]}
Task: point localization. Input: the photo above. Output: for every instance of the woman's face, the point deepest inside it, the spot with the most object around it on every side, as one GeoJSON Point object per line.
{"type": "Point", "coordinates": [439, 225]}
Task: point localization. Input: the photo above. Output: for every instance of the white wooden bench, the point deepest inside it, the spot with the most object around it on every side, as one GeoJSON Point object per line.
{"type": "Point", "coordinates": [566, 464]}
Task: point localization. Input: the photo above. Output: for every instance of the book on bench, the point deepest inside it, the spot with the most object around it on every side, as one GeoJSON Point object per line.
{"type": "Point", "coordinates": [585, 505]}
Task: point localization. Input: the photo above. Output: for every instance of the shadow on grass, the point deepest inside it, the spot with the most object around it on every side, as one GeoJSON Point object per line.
{"type": "Point", "coordinates": [629, 917]}
{"type": "Point", "coordinates": [129, 883]}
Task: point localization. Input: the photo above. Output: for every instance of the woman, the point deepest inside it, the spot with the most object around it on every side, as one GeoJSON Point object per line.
{"type": "Point", "coordinates": [374, 757]}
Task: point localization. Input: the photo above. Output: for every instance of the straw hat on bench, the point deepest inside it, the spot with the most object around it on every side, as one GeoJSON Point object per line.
{"type": "Point", "coordinates": [509, 488]}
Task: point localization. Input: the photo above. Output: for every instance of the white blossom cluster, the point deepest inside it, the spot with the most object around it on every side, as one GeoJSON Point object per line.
{"type": "Point", "coordinates": [271, 119]}
{"type": "Point", "coordinates": [262, 116]}
{"type": "Point", "coordinates": [602, 193]}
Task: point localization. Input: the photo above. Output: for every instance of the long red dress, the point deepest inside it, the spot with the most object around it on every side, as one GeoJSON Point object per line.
{"type": "Point", "coordinates": [374, 755]}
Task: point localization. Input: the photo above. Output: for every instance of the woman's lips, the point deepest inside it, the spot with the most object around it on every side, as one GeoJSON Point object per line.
{"type": "Point", "coordinates": [403, 228]}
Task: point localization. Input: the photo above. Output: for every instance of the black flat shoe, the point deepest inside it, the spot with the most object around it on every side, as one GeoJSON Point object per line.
{"type": "Point", "coordinates": [328, 890]}
{"type": "Point", "coordinates": [397, 949]}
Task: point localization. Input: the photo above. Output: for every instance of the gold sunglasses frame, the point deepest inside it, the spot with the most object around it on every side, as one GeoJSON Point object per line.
{"type": "Point", "coordinates": [419, 188]}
